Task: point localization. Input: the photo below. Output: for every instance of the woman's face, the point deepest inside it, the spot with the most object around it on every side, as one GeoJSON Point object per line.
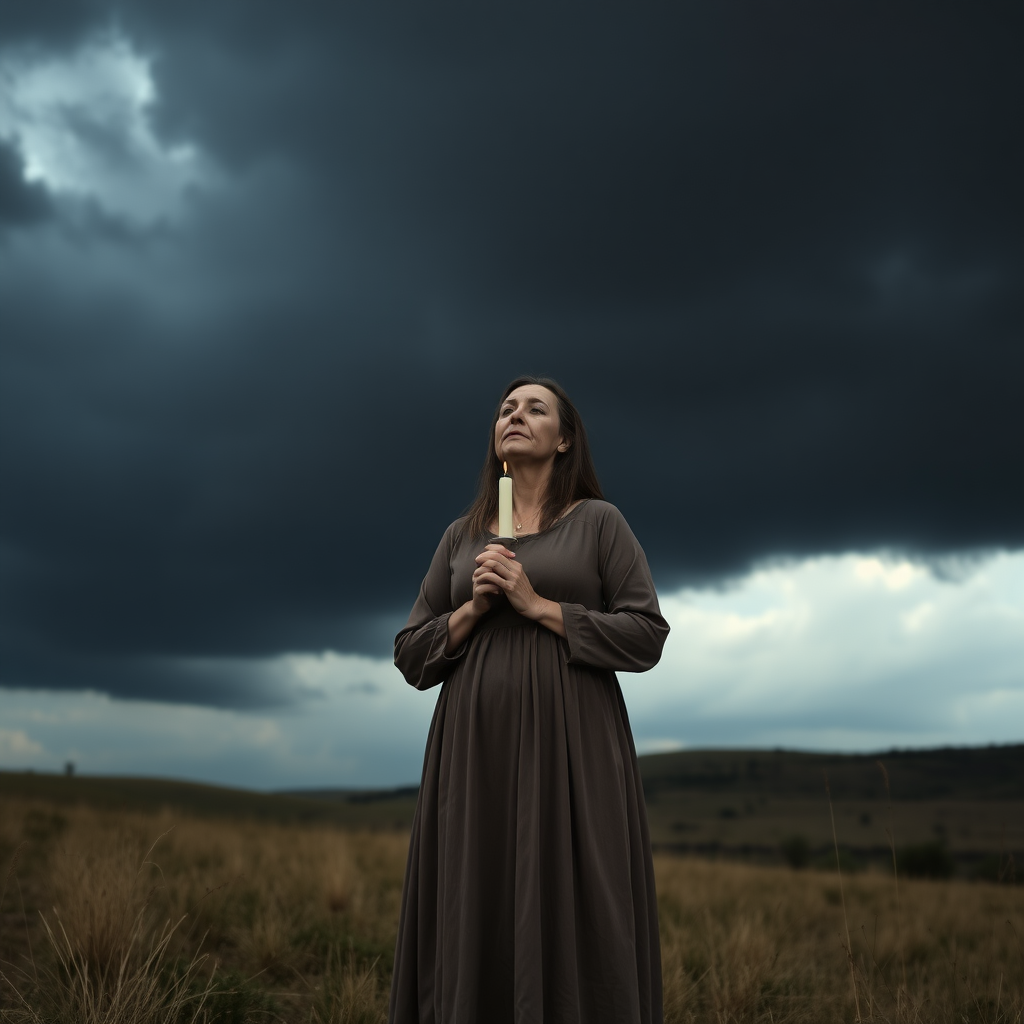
{"type": "Point", "coordinates": [528, 426]}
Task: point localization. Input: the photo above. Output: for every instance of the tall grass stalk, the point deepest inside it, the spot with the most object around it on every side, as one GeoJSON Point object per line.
{"type": "Point", "coordinates": [142, 987]}
{"type": "Point", "coordinates": [113, 965]}
{"type": "Point", "coordinates": [842, 896]}
{"type": "Point", "coordinates": [349, 993]}
{"type": "Point", "coordinates": [891, 836]}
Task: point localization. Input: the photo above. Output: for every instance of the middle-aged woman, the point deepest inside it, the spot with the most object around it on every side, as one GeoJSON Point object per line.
{"type": "Point", "coordinates": [529, 892]}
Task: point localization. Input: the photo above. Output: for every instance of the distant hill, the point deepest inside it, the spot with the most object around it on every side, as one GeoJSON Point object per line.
{"type": "Point", "coordinates": [957, 773]}
{"type": "Point", "coordinates": [386, 809]}
{"type": "Point", "coordinates": [962, 805]}
{"type": "Point", "coordinates": [951, 773]}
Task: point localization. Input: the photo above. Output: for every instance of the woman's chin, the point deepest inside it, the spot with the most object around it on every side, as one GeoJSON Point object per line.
{"type": "Point", "coordinates": [509, 453]}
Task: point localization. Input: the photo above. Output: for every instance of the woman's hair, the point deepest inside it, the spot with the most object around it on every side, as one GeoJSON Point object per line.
{"type": "Point", "coordinates": [573, 476]}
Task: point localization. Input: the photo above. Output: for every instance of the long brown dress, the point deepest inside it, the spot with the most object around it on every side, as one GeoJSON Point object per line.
{"type": "Point", "coordinates": [529, 892]}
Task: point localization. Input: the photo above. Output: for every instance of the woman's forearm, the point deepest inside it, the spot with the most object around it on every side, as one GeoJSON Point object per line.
{"type": "Point", "coordinates": [461, 623]}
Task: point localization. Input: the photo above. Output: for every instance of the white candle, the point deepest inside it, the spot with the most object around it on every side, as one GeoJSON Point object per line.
{"type": "Point", "coordinates": [505, 526]}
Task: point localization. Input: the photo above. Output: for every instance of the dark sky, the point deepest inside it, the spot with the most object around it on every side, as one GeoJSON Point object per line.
{"type": "Point", "coordinates": [773, 251]}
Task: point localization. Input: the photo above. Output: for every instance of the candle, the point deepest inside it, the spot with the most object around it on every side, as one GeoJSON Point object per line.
{"type": "Point", "coordinates": [505, 527]}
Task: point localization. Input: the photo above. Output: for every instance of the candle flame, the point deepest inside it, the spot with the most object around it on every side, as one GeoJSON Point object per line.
{"type": "Point", "coordinates": [504, 468]}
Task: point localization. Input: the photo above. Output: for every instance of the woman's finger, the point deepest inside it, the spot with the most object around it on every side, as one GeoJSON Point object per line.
{"type": "Point", "coordinates": [499, 569]}
{"type": "Point", "coordinates": [494, 568]}
{"type": "Point", "coordinates": [508, 553]}
{"type": "Point", "coordinates": [494, 558]}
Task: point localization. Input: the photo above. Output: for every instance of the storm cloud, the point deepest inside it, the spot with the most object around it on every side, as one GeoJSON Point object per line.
{"type": "Point", "coordinates": [265, 268]}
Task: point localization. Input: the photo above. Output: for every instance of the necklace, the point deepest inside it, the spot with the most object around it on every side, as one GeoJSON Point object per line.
{"type": "Point", "coordinates": [519, 526]}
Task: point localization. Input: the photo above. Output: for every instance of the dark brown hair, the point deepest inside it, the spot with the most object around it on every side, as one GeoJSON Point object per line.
{"type": "Point", "coordinates": [573, 476]}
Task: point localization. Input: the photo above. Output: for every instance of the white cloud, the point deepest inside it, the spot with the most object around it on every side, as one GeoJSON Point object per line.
{"type": "Point", "coordinates": [657, 745]}
{"type": "Point", "coordinates": [15, 743]}
{"type": "Point", "coordinates": [82, 122]}
{"type": "Point", "coordinates": [358, 724]}
{"type": "Point", "coordinates": [891, 575]}
{"type": "Point", "coordinates": [843, 653]}
{"type": "Point", "coordinates": [853, 652]}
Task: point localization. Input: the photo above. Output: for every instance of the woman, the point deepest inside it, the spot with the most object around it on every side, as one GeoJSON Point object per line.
{"type": "Point", "coordinates": [529, 893]}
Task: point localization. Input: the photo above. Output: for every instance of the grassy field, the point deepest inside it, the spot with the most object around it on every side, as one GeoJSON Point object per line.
{"type": "Point", "coordinates": [953, 812]}
{"type": "Point", "coordinates": [267, 912]}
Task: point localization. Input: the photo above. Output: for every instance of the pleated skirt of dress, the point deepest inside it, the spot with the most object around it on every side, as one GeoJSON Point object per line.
{"type": "Point", "coordinates": [529, 892]}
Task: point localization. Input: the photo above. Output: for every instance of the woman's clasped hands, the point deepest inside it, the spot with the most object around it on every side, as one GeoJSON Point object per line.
{"type": "Point", "coordinates": [498, 572]}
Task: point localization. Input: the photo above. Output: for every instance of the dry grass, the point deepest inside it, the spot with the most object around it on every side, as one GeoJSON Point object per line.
{"type": "Point", "coordinates": [743, 943]}
{"type": "Point", "coordinates": [130, 919]}
{"type": "Point", "coordinates": [108, 959]}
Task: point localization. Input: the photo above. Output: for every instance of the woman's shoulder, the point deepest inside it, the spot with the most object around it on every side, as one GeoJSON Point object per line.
{"type": "Point", "coordinates": [455, 528]}
{"type": "Point", "coordinates": [597, 510]}
{"type": "Point", "coordinates": [456, 533]}
{"type": "Point", "coordinates": [608, 522]}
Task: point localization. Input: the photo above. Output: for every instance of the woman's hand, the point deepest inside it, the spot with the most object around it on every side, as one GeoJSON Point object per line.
{"type": "Point", "coordinates": [484, 590]}
{"type": "Point", "coordinates": [498, 571]}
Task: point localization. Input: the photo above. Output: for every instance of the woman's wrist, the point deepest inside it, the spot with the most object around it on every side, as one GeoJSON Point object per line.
{"type": "Point", "coordinates": [548, 614]}
{"type": "Point", "coordinates": [461, 623]}
{"type": "Point", "coordinates": [470, 613]}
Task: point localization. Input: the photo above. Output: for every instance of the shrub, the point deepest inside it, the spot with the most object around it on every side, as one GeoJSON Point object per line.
{"type": "Point", "coordinates": [996, 868]}
{"type": "Point", "coordinates": [796, 851]}
{"type": "Point", "coordinates": [926, 860]}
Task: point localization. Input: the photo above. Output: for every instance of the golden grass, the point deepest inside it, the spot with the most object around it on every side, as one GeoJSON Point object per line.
{"type": "Point", "coordinates": [743, 943]}
{"type": "Point", "coordinates": [130, 918]}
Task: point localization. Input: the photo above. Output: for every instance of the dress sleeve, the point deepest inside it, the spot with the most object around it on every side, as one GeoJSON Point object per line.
{"type": "Point", "coordinates": [420, 644]}
{"type": "Point", "coordinates": [628, 634]}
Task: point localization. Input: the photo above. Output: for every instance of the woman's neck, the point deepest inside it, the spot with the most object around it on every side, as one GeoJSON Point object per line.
{"type": "Point", "coordinates": [530, 488]}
